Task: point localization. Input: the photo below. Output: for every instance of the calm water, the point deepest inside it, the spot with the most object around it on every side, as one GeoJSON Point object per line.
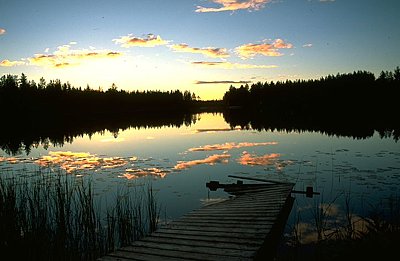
{"type": "Point", "coordinates": [179, 161]}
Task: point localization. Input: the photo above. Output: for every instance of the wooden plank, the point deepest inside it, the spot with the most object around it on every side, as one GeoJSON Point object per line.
{"type": "Point", "coordinates": [233, 215]}
{"type": "Point", "coordinates": [233, 218]}
{"type": "Point", "coordinates": [200, 243]}
{"type": "Point", "coordinates": [193, 249]}
{"type": "Point", "coordinates": [214, 234]}
{"type": "Point", "coordinates": [127, 255]}
{"type": "Point", "coordinates": [218, 229]}
{"type": "Point", "coordinates": [114, 258]}
{"type": "Point", "coordinates": [264, 225]}
{"type": "Point", "coordinates": [168, 254]}
{"type": "Point", "coordinates": [215, 239]}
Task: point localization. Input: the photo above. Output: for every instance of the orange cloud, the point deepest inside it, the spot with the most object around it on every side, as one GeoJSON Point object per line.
{"type": "Point", "coordinates": [211, 160]}
{"type": "Point", "coordinates": [265, 160]}
{"type": "Point", "coordinates": [8, 63]}
{"type": "Point", "coordinates": [12, 160]}
{"type": "Point", "coordinates": [137, 173]}
{"type": "Point", "coordinates": [2, 31]}
{"type": "Point", "coordinates": [228, 65]}
{"type": "Point", "coordinates": [151, 40]}
{"type": "Point", "coordinates": [208, 51]}
{"type": "Point", "coordinates": [267, 49]}
{"type": "Point", "coordinates": [64, 57]}
{"type": "Point", "coordinates": [231, 145]}
{"type": "Point", "coordinates": [233, 5]}
{"type": "Point", "coordinates": [73, 161]}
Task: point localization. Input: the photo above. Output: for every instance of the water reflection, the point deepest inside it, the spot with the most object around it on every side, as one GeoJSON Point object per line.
{"type": "Point", "coordinates": [211, 160]}
{"type": "Point", "coordinates": [23, 136]}
{"type": "Point", "coordinates": [74, 161]}
{"type": "Point", "coordinates": [231, 145]}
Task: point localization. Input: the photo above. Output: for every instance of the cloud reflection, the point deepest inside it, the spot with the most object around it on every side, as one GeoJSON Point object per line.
{"type": "Point", "coordinates": [211, 160]}
{"type": "Point", "coordinates": [11, 160]}
{"type": "Point", "coordinates": [265, 160]}
{"type": "Point", "coordinates": [231, 145]}
{"type": "Point", "coordinates": [72, 161]}
{"type": "Point", "coordinates": [139, 173]}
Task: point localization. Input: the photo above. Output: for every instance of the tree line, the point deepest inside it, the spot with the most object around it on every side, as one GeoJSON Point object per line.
{"type": "Point", "coordinates": [352, 101]}
{"type": "Point", "coordinates": [19, 96]}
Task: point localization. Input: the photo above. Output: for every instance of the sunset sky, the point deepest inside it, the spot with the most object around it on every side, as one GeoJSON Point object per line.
{"type": "Point", "coordinates": [202, 46]}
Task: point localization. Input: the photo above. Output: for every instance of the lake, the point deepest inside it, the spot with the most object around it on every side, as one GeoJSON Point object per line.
{"type": "Point", "coordinates": [179, 160]}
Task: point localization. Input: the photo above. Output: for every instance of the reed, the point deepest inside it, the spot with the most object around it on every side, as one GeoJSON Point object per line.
{"type": "Point", "coordinates": [50, 216]}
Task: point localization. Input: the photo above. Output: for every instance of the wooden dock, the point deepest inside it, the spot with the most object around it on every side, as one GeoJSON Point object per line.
{"type": "Point", "coordinates": [247, 226]}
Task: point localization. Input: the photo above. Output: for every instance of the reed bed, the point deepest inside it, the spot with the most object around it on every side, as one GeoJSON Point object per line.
{"type": "Point", "coordinates": [49, 216]}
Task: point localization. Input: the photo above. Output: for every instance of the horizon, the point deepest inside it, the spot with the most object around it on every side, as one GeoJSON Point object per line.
{"type": "Point", "coordinates": [198, 46]}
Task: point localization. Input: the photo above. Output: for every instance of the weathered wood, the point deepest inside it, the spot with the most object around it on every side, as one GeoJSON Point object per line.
{"type": "Point", "coordinates": [215, 240]}
{"type": "Point", "coordinates": [200, 243]}
{"type": "Point", "coordinates": [223, 224]}
{"type": "Point", "coordinates": [131, 251]}
{"type": "Point", "coordinates": [194, 249]}
{"type": "Point", "coordinates": [233, 229]}
{"type": "Point", "coordinates": [228, 234]}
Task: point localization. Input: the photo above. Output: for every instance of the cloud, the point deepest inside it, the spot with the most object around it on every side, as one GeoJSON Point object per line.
{"type": "Point", "coordinates": [308, 45]}
{"type": "Point", "coordinates": [211, 160]}
{"type": "Point", "coordinates": [64, 56]}
{"type": "Point", "coordinates": [231, 145]}
{"type": "Point", "coordinates": [267, 49]}
{"type": "Point", "coordinates": [233, 5]}
{"type": "Point", "coordinates": [265, 160]}
{"type": "Point", "coordinates": [228, 65]}
{"type": "Point", "coordinates": [222, 82]}
{"type": "Point", "coordinates": [208, 51]}
{"type": "Point", "coordinates": [151, 40]}
{"type": "Point", "coordinates": [2, 31]}
{"type": "Point", "coordinates": [138, 173]}
{"type": "Point", "coordinates": [8, 63]}
{"type": "Point", "coordinates": [73, 161]}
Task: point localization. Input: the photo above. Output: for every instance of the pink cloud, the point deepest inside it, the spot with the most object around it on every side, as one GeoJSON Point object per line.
{"type": "Point", "coordinates": [207, 51]}
{"type": "Point", "coordinates": [267, 49]}
{"type": "Point", "coordinates": [150, 40]}
{"type": "Point", "coordinates": [233, 5]}
{"type": "Point", "coordinates": [211, 160]}
{"type": "Point", "coordinates": [265, 160]}
{"type": "Point", "coordinates": [228, 65]}
{"type": "Point", "coordinates": [231, 145]}
{"type": "Point", "coordinates": [8, 63]}
{"type": "Point", "coordinates": [64, 56]}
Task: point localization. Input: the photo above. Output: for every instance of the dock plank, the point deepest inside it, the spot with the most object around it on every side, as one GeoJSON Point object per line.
{"type": "Point", "coordinates": [234, 229]}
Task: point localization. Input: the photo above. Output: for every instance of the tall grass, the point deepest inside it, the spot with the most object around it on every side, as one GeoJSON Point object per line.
{"type": "Point", "coordinates": [52, 216]}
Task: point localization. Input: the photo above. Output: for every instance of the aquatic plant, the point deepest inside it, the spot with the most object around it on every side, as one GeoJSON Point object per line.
{"type": "Point", "coordinates": [56, 216]}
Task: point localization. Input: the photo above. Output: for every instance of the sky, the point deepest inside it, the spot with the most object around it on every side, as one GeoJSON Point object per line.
{"type": "Point", "coordinates": [202, 46]}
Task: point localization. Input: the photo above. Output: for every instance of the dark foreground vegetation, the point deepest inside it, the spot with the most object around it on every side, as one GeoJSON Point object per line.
{"type": "Point", "coordinates": [52, 216]}
{"type": "Point", "coordinates": [354, 104]}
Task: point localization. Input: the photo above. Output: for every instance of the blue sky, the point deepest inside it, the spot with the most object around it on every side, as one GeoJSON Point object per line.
{"type": "Point", "coordinates": [202, 46]}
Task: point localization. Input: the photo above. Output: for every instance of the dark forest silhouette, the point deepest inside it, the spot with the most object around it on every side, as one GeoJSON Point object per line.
{"type": "Point", "coordinates": [19, 95]}
{"type": "Point", "coordinates": [353, 105]}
